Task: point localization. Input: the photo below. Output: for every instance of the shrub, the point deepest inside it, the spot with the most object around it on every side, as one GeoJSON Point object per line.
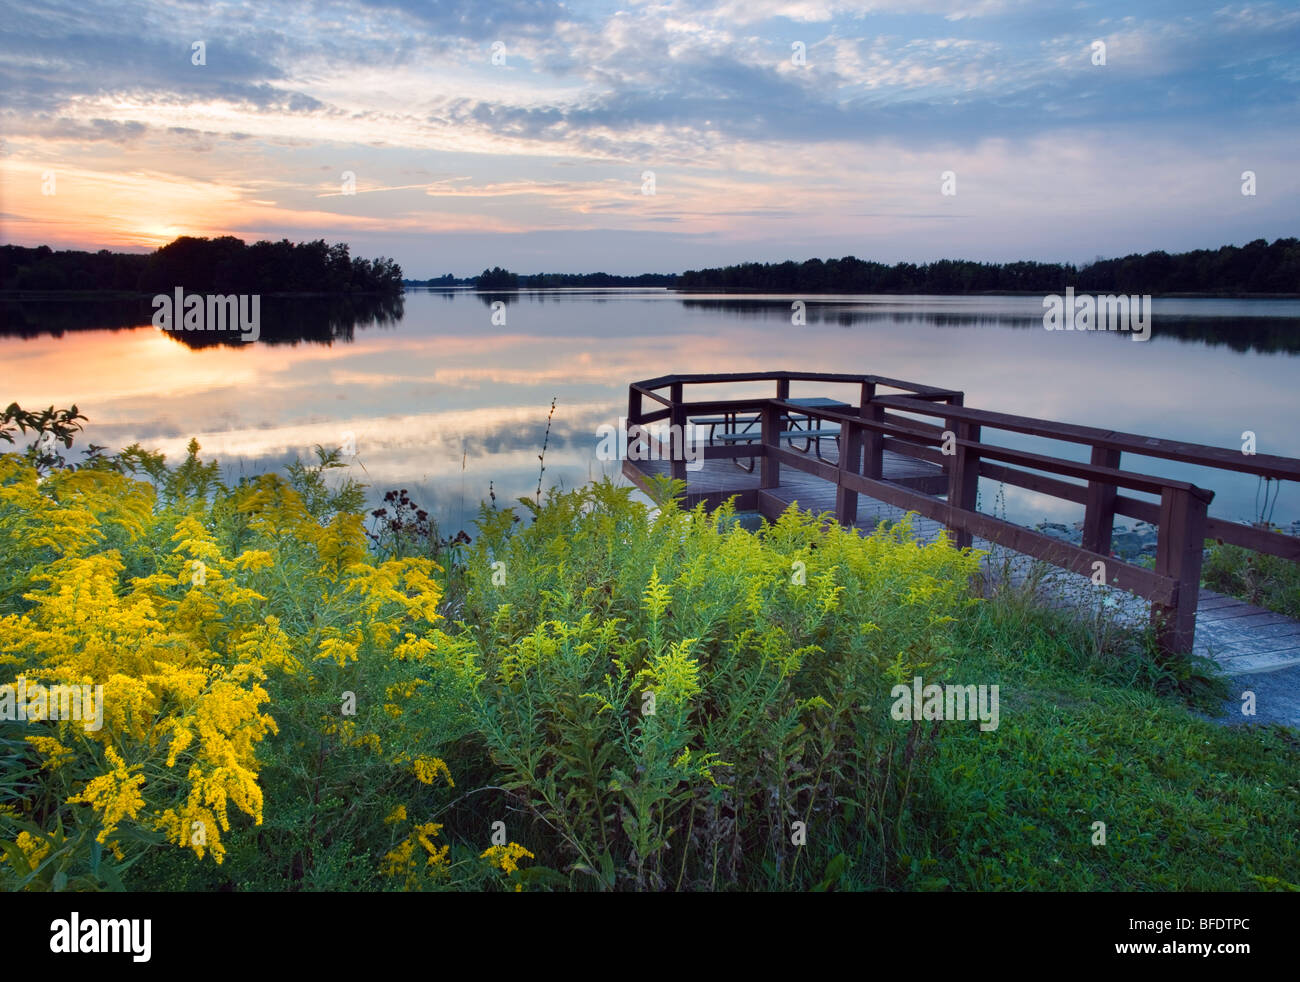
{"type": "Point", "coordinates": [668, 693]}
{"type": "Point", "coordinates": [663, 694]}
{"type": "Point", "coordinates": [217, 620]}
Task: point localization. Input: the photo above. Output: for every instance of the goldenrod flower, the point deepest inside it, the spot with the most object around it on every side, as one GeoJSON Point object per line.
{"type": "Point", "coordinates": [115, 795]}
{"type": "Point", "coordinates": [506, 858]}
{"type": "Point", "coordinates": [34, 849]}
{"type": "Point", "coordinates": [427, 770]}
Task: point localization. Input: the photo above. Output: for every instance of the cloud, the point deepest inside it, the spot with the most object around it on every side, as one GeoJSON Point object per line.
{"type": "Point", "coordinates": [747, 145]}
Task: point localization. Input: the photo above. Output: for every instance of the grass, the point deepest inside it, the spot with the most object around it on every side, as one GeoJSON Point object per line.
{"type": "Point", "coordinates": [1099, 735]}
{"type": "Point", "coordinates": [1266, 581]}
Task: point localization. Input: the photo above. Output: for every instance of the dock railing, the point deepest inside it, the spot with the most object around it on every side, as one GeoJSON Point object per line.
{"type": "Point", "coordinates": [878, 422]}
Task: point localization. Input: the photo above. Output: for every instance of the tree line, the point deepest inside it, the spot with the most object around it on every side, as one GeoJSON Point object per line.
{"type": "Point", "coordinates": [543, 280]}
{"type": "Point", "coordinates": [497, 278]}
{"type": "Point", "coordinates": [222, 265]}
{"type": "Point", "coordinates": [1257, 267]}
{"type": "Point", "coordinates": [229, 265]}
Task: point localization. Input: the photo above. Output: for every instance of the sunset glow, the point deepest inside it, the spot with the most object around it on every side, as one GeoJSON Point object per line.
{"type": "Point", "coordinates": [537, 161]}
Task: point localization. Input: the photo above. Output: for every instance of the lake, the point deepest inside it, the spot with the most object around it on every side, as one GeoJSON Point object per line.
{"type": "Point", "coordinates": [441, 401]}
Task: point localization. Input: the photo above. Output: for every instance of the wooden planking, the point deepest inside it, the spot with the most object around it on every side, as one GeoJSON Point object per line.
{"type": "Point", "coordinates": [1223, 632]}
{"type": "Point", "coordinates": [718, 475]}
{"type": "Point", "coordinates": [1238, 610]}
{"type": "Point", "coordinates": [1260, 626]}
{"type": "Point", "coordinates": [1211, 607]}
{"type": "Point", "coordinates": [1209, 600]}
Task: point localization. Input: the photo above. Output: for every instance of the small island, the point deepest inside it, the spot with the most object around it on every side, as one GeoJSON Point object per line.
{"type": "Point", "coordinates": [221, 265]}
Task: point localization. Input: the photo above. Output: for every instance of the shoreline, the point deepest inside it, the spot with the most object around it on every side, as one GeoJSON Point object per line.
{"type": "Point", "coordinates": [742, 291]}
{"type": "Point", "coordinates": [736, 291]}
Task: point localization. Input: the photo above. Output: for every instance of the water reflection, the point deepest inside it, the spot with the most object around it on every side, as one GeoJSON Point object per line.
{"type": "Point", "coordinates": [441, 400]}
{"type": "Point", "coordinates": [1243, 332]}
{"type": "Point", "coordinates": [284, 320]}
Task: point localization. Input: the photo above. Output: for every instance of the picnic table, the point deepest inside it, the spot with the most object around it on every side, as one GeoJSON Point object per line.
{"type": "Point", "coordinates": [746, 427]}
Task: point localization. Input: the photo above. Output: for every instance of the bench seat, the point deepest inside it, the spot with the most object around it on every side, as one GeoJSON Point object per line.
{"type": "Point", "coordinates": [784, 435]}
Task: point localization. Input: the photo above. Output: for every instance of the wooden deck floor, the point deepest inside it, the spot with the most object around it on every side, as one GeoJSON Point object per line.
{"type": "Point", "coordinates": [726, 477]}
{"type": "Point", "coordinates": [1241, 638]}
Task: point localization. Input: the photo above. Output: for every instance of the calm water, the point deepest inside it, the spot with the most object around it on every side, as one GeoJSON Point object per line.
{"type": "Point", "coordinates": [441, 401]}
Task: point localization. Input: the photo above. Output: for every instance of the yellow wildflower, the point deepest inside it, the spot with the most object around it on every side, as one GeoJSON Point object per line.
{"type": "Point", "coordinates": [424, 835]}
{"type": "Point", "coordinates": [55, 753]}
{"type": "Point", "coordinates": [341, 650]}
{"type": "Point", "coordinates": [398, 814]}
{"type": "Point", "coordinates": [506, 857]}
{"type": "Point", "coordinates": [401, 861]}
{"type": "Point", "coordinates": [34, 849]}
{"type": "Point", "coordinates": [115, 795]}
{"type": "Point", "coordinates": [427, 770]}
{"type": "Point", "coordinates": [398, 862]}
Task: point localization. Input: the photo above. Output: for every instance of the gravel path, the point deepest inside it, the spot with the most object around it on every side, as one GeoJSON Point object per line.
{"type": "Point", "coordinates": [1277, 698]}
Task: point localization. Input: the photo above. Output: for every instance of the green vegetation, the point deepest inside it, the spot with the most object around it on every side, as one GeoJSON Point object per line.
{"type": "Point", "coordinates": [497, 278]}
{"type": "Point", "coordinates": [1258, 267]}
{"type": "Point", "coordinates": [1100, 733]}
{"type": "Point", "coordinates": [643, 698]}
{"type": "Point", "coordinates": [1260, 579]}
{"type": "Point", "coordinates": [223, 265]}
{"type": "Point", "coordinates": [536, 281]}
{"type": "Point", "coordinates": [446, 280]}
{"type": "Point", "coordinates": [227, 265]}
{"type": "Point", "coordinates": [500, 279]}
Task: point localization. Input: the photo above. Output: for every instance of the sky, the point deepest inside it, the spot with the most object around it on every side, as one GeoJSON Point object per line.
{"type": "Point", "coordinates": [652, 137]}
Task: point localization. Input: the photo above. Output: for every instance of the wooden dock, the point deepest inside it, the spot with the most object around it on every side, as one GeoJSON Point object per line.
{"type": "Point", "coordinates": [719, 479]}
{"type": "Point", "coordinates": [892, 468]}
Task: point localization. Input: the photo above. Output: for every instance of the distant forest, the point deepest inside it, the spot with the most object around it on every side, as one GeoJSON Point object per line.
{"type": "Point", "coordinates": [228, 265]}
{"type": "Point", "coordinates": [497, 278]}
{"type": "Point", "coordinates": [224, 265]}
{"type": "Point", "coordinates": [1257, 267]}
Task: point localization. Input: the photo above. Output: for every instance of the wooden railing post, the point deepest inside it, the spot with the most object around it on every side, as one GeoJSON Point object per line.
{"type": "Point", "coordinates": [633, 420]}
{"type": "Point", "coordinates": [677, 434]}
{"type": "Point", "coordinates": [873, 442]}
{"type": "Point", "coordinates": [770, 475]}
{"type": "Point", "coordinates": [1179, 550]}
{"type": "Point", "coordinates": [963, 479]}
{"type": "Point", "coordinates": [783, 393]}
{"type": "Point", "coordinates": [846, 499]}
{"type": "Point", "coordinates": [1099, 510]}
{"type": "Point", "coordinates": [953, 426]}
